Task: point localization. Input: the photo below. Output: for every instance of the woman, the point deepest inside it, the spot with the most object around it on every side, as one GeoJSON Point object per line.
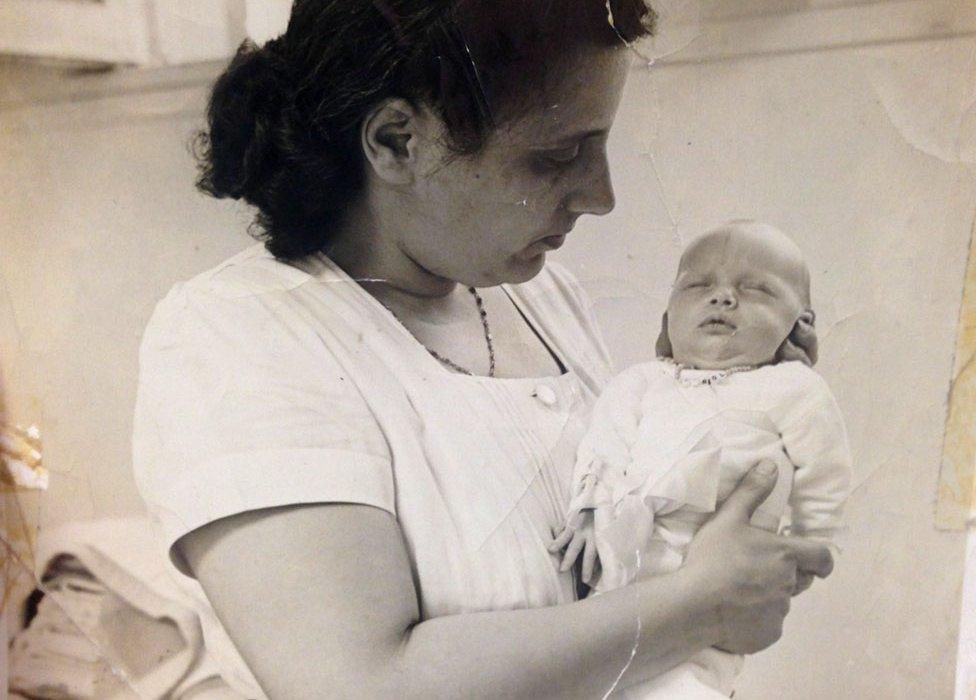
{"type": "Point", "coordinates": [359, 440]}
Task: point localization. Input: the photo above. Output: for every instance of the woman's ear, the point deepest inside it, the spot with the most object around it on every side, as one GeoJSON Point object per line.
{"type": "Point", "coordinates": [801, 345]}
{"type": "Point", "coordinates": [390, 137]}
{"type": "Point", "coordinates": [663, 347]}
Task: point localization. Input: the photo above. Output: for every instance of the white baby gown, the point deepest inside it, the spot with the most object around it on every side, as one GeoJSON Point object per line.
{"type": "Point", "coordinates": [666, 445]}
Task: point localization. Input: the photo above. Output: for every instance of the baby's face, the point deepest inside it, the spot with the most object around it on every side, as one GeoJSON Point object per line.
{"type": "Point", "coordinates": [738, 294]}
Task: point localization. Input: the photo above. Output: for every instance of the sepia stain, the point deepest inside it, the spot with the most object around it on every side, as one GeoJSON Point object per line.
{"type": "Point", "coordinates": [957, 490]}
{"type": "Point", "coordinates": [22, 477]}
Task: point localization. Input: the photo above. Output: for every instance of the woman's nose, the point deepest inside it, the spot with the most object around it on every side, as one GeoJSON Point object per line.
{"type": "Point", "coordinates": [595, 193]}
{"type": "Point", "coordinates": [725, 298]}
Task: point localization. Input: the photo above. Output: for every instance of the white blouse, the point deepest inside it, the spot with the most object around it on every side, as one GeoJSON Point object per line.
{"type": "Point", "coordinates": [264, 385]}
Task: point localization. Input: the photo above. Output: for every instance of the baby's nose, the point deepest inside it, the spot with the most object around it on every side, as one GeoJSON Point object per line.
{"type": "Point", "coordinates": [724, 297]}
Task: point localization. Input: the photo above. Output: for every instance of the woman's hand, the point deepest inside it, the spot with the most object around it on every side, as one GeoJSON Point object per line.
{"type": "Point", "coordinates": [751, 573]}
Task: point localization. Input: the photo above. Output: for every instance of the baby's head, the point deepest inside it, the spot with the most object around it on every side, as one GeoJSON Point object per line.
{"type": "Point", "coordinates": [741, 292]}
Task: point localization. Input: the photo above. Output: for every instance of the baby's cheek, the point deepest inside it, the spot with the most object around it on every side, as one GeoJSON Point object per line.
{"type": "Point", "coordinates": [771, 335]}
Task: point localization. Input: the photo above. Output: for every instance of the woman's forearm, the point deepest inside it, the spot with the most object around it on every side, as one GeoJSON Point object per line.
{"type": "Point", "coordinates": [321, 603]}
{"type": "Point", "coordinates": [577, 650]}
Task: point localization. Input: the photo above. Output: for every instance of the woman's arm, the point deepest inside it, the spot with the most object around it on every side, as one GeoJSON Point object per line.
{"type": "Point", "coordinates": [321, 602]}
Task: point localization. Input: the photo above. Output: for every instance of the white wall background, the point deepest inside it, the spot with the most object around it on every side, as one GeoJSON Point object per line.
{"type": "Point", "coordinates": [138, 32]}
{"type": "Point", "coordinates": [840, 148]}
{"type": "Point", "coordinates": [849, 127]}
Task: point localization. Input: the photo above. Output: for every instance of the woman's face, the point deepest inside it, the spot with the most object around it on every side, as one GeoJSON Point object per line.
{"type": "Point", "coordinates": [491, 218]}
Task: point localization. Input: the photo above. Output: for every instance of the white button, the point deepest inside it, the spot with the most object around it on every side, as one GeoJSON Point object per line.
{"type": "Point", "coordinates": [546, 395]}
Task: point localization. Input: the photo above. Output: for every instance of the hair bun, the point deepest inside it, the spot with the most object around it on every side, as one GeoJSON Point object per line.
{"type": "Point", "coordinates": [245, 109]}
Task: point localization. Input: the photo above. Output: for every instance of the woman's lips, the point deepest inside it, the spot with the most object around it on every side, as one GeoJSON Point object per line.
{"type": "Point", "coordinates": [544, 245]}
{"type": "Point", "coordinates": [554, 242]}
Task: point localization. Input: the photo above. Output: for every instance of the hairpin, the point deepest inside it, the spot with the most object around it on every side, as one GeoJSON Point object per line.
{"type": "Point", "coordinates": [465, 60]}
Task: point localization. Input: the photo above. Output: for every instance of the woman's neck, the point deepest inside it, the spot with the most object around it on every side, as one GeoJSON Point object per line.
{"type": "Point", "coordinates": [369, 252]}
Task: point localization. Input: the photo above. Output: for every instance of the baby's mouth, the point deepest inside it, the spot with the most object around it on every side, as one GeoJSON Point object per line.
{"type": "Point", "coordinates": [719, 323]}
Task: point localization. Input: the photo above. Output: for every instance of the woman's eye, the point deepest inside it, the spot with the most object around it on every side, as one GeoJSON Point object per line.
{"type": "Point", "coordinates": [761, 288]}
{"type": "Point", "coordinates": [563, 156]}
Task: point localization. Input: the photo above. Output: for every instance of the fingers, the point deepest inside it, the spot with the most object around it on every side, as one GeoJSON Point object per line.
{"type": "Point", "coordinates": [572, 551]}
{"type": "Point", "coordinates": [561, 540]}
{"type": "Point", "coordinates": [804, 336]}
{"type": "Point", "coordinates": [576, 541]}
{"type": "Point", "coordinates": [790, 352]}
{"type": "Point", "coordinates": [811, 558]}
{"type": "Point", "coordinates": [752, 490]}
{"type": "Point", "coordinates": [663, 346]}
{"type": "Point", "coordinates": [589, 562]}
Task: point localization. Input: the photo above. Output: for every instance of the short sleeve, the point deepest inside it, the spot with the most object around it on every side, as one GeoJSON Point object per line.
{"type": "Point", "coordinates": [242, 407]}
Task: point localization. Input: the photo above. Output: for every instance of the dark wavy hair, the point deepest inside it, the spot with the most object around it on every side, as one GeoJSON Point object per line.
{"type": "Point", "coordinates": [283, 120]}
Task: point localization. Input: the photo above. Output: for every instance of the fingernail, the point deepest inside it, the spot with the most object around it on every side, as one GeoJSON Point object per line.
{"type": "Point", "coordinates": [766, 469]}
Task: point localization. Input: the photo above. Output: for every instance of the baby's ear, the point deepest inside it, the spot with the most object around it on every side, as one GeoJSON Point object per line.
{"type": "Point", "coordinates": [663, 346]}
{"type": "Point", "coordinates": [801, 345]}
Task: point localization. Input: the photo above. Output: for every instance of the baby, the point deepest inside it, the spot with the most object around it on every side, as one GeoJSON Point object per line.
{"type": "Point", "coordinates": [670, 439]}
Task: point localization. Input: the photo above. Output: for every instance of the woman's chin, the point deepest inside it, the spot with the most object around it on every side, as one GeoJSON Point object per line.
{"type": "Point", "coordinates": [522, 268]}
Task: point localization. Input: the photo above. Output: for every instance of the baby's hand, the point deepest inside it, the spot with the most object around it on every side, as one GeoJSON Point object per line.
{"type": "Point", "coordinates": [577, 537]}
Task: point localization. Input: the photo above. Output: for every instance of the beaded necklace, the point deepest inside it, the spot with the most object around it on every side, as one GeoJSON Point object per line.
{"type": "Point", "coordinates": [488, 340]}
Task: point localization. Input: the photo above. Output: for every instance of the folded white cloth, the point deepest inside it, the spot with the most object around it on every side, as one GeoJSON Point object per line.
{"type": "Point", "coordinates": [666, 446]}
{"type": "Point", "coordinates": [111, 581]}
